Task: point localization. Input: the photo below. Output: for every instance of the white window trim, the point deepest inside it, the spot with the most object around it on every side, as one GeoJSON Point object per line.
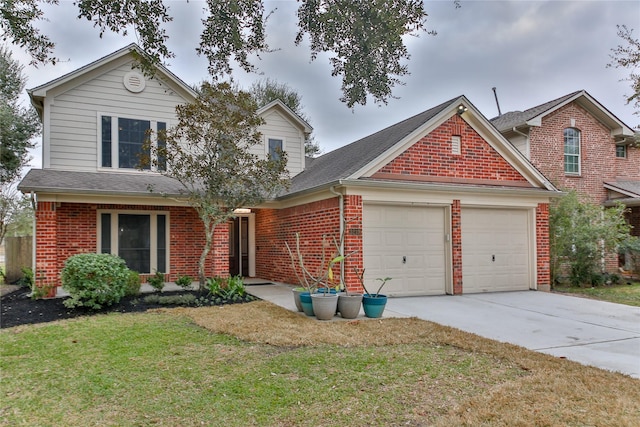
{"type": "Point", "coordinates": [154, 237]}
{"type": "Point", "coordinates": [579, 173]}
{"type": "Point", "coordinates": [115, 160]}
{"type": "Point", "coordinates": [266, 143]}
{"type": "Point", "coordinates": [626, 151]}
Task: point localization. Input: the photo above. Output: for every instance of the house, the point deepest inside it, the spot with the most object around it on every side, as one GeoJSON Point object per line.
{"type": "Point", "coordinates": [441, 202]}
{"type": "Point", "coordinates": [578, 144]}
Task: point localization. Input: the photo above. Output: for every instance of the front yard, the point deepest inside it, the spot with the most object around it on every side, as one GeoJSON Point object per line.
{"type": "Point", "coordinates": [258, 364]}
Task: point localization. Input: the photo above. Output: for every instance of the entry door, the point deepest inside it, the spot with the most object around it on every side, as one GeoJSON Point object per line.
{"type": "Point", "coordinates": [408, 244]}
{"type": "Point", "coordinates": [239, 247]}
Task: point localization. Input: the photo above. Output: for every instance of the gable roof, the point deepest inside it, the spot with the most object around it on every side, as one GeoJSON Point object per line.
{"type": "Point", "coordinates": [358, 159]}
{"type": "Point", "coordinates": [291, 115]}
{"type": "Point", "coordinates": [38, 93]}
{"type": "Point", "coordinates": [533, 116]}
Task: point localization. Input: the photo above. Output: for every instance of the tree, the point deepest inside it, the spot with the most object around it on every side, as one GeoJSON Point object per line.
{"type": "Point", "coordinates": [209, 153]}
{"type": "Point", "coordinates": [628, 56]}
{"type": "Point", "coordinates": [267, 90]}
{"type": "Point", "coordinates": [17, 124]}
{"type": "Point", "coordinates": [16, 214]}
{"type": "Point", "coordinates": [580, 234]}
{"type": "Point", "coordinates": [365, 36]}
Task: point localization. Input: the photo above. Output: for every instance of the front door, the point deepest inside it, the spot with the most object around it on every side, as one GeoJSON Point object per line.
{"type": "Point", "coordinates": [239, 247]}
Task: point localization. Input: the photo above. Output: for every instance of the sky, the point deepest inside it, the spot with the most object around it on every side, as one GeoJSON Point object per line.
{"type": "Point", "coordinates": [530, 51]}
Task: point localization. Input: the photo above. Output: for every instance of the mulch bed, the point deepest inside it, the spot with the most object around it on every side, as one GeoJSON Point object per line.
{"type": "Point", "coordinates": [17, 308]}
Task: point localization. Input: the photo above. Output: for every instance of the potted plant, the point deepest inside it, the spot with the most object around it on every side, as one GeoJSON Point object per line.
{"type": "Point", "coordinates": [319, 291]}
{"type": "Point", "coordinates": [349, 303]}
{"type": "Point", "coordinates": [373, 304]}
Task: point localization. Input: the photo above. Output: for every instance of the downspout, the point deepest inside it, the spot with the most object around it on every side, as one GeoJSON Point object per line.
{"type": "Point", "coordinates": [341, 206]}
{"type": "Point", "coordinates": [34, 205]}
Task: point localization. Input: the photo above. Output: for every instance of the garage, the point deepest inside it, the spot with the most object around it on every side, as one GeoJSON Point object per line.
{"type": "Point", "coordinates": [408, 244]}
{"type": "Point", "coordinates": [496, 250]}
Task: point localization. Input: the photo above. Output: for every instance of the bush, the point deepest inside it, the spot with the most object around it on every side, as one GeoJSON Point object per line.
{"type": "Point", "coordinates": [184, 282]}
{"type": "Point", "coordinates": [156, 281]}
{"type": "Point", "coordinates": [28, 278]}
{"type": "Point", "coordinates": [94, 280]}
{"type": "Point", "coordinates": [133, 284]}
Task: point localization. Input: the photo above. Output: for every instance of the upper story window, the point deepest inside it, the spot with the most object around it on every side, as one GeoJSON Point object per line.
{"type": "Point", "coordinates": [621, 151]}
{"type": "Point", "coordinates": [123, 141]}
{"type": "Point", "coordinates": [572, 151]}
{"type": "Point", "coordinates": [275, 148]}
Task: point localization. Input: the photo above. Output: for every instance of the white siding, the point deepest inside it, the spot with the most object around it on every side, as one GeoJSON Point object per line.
{"type": "Point", "coordinates": [73, 134]}
{"type": "Point", "coordinates": [279, 127]}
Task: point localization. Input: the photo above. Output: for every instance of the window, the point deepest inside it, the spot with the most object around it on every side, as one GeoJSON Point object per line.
{"type": "Point", "coordinates": [138, 238]}
{"type": "Point", "coordinates": [621, 151]}
{"type": "Point", "coordinates": [572, 151]}
{"type": "Point", "coordinates": [123, 139]}
{"type": "Point", "coordinates": [275, 148]}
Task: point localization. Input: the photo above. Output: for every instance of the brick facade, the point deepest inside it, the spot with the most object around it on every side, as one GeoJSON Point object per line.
{"type": "Point", "coordinates": [66, 229]}
{"type": "Point", "coordinates": [542, 248]}
{"type": "Point", "coordinates": [432, 157]}
{"type": "Point", "coordinates": [597, 153]}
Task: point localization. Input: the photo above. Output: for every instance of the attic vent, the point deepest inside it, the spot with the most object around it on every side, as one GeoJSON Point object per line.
{"type": "Point", "coordinates": [455, 144]}
{"type": "Point", "coordinates": [134, 81]}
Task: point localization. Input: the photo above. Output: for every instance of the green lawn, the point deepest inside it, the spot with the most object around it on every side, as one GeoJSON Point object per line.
{"type": "Point", "coordinates": [621, 294]}
{"type": "Point", "coordinates": [167, 369]}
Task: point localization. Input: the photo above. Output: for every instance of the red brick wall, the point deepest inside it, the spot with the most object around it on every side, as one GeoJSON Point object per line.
{"type": "Point", "coordinates": [598, 153]}
{"type": "Point", "coordinates": [543, 268]}
{"type": "Point", "coordinates": [431, 156]}
{"type": "Point", "coordinates": [456, 246]}
{"type": "Point", "coordinates": [312, 220]}
{"type": "Point", "coordinates": [66, 229]}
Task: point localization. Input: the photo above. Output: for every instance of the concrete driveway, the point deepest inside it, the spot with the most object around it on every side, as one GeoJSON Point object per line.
{"type": "Point", "coordinates": [587, 331]}
{"type": "Point", "coordinates": [590, 332]}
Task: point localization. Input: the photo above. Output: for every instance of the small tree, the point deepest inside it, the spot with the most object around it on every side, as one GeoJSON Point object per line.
{"type": "Point", "coordinates": [580, 234]}
{"type": "Point", "coordinates": [209, 153]}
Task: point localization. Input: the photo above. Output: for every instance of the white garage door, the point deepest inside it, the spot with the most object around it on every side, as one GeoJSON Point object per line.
{"type": "Point", "coordinates": [495, 250]}
{"type": "Point", "coordinates": [406, 243]}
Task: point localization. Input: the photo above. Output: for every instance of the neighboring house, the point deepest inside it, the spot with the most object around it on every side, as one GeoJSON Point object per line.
{"type": "Point", "coordinates": [578, 144]}
{"type": "Point", "coordinates": [440, 202]}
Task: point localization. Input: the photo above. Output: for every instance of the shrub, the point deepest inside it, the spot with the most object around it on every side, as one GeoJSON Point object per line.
{"type": "Point", "coordinates": [28, 278]}
{"type": "Point", "coordinates": [184, 282]}
{"type": "Point", "coordinates": [156, 281]}
{"type": "Point", "coordinates": [94, 280]}
{"type": "Point", "coordinates": [184, 300]}
{"type": "Point", "coordinates": [133, 284]}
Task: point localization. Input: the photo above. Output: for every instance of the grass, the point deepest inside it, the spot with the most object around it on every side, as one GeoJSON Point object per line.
{"type": "Point", "coordinates": [620, 294]}
{"type": "Point", "coordinates": [257, 364]}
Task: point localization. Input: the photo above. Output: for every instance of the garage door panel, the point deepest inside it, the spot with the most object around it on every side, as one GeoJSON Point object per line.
{"type": "Point", "coordinates": [495, 250]}
{"type": "Point", "coordinates": [406, 244]}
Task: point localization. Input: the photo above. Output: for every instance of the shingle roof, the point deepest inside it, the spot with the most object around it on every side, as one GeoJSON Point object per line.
{"type": "Point", "coordinates": [628, 186]}
{"type": "Point", "coordinates": [104, 183]}
{"type": "Point", "coordinates": [516, 118]}
{"type": "Point", "coordinates": [343, 162]}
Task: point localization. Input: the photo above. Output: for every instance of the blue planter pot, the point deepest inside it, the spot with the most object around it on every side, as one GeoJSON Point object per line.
{"type": "Point", "coordinates": [374, 306]}
{"type": "Point", "coordinates": [305, 302]}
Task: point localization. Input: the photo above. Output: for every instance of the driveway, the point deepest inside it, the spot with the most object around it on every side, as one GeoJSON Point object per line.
{"type": "Point", "coordinates": [590, 332]}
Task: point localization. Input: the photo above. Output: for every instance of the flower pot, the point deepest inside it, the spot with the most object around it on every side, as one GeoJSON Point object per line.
{"type": "Point", "coordinates": [296, 297]}
{"type": "Point", "coordinates": [305, 302]}
{"type": "Point", "coordinates": [349, 305]}
{"type": "Point", "coordinates": [373, 305]}
{"type": "Point", "coordinates": [324, 305]}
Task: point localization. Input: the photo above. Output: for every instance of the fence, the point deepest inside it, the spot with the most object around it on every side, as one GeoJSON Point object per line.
{"type": "Point", "coordinates": [18, 255]}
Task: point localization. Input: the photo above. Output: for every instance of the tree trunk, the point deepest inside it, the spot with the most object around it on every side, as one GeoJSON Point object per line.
{"type": "Point", "coordinates": [205, 252]}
